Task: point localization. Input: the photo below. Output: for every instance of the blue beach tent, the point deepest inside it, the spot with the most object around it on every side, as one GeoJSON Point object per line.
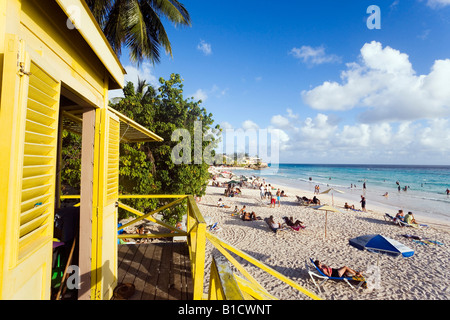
{"type": "Point", "coordinates": [378, 243]}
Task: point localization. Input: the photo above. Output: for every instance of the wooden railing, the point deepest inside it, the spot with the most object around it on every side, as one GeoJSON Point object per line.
{"type": "Point", "coordinates": [224, 283]}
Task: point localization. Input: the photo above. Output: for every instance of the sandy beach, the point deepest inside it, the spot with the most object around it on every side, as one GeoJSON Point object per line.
{"type": "Point", "coordinates": [424, 276]}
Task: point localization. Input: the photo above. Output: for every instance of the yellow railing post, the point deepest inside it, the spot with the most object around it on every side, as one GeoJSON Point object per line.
{"type": "Point", "coordinates": [197, 247]}
{"type": "Point", "coordinates": [199, 265]}
{"type": "Point", "coordinates": [222, 283]}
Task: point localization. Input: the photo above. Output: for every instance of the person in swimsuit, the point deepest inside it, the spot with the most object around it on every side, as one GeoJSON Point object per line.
{"type": "Point", "coordinates": [278, 196]}
{"type": "Point", "coordinates": [338, 273]}
{"type": "Point", "coordinates": [363, 204]}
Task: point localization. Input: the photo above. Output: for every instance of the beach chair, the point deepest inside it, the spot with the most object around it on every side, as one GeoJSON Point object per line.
{"type": "Point", "coordinates": [214, 227]}
{"type": "Point", "coordinates": [315, 272]}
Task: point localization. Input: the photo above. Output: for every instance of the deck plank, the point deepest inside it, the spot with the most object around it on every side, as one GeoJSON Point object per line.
{"type": "Point", "coordinates": [157, 270]}
{"type": "Point", "coordinates": [188, 292]}
{"type": "Point", "coordinates": [162, 292]}
{"type": "Point", "coordinates": [152, 274]}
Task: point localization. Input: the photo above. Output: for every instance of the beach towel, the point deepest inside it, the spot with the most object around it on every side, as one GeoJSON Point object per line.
{"type": "Point", "coordinates": [422, 241]}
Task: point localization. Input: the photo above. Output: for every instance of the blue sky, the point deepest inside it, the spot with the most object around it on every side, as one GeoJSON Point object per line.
{"type": "Point", "coordinates": [334, 90]}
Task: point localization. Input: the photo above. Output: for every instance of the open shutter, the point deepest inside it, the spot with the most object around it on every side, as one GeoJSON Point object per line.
{"type": "Point", "coordinates": [40, 148]}
{"type": "Point", "coordinates": [29, 127]}
{"type": "Point", "coordinates": [107, 211]}
{"type": "Point", "coordinates": [112, 169]}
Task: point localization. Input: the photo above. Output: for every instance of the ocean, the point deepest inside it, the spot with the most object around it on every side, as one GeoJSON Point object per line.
{"type": "Point", "coordinates": [425, 196]}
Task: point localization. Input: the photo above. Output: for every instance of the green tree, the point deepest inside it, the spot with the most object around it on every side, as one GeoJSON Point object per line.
{"type": "Point", "coordinates": [148, 168]}
{"type": "Point", "coordinates": [137, 25]}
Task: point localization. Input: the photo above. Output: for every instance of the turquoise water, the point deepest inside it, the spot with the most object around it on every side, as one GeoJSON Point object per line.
{"type": "Point", "coordinates": [425, 196]}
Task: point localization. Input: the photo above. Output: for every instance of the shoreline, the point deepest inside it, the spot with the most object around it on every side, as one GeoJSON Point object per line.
{"type": "Point", "coordinates": [352, 196]}
{"type": "Point", "coordinates": [420, 277]}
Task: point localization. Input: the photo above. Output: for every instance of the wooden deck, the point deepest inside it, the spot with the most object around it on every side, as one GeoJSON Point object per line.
{"type": "Point", "coordinates": [159, 271]}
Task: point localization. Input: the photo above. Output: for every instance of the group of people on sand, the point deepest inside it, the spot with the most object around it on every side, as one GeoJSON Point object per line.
{"type": "Point", "coordinates": [244, 214]}
{"type": "Point", "coordinates": [316, 189]}
{"type": "Point", "coordinates": [314, 200]}
{"type": "Point", "coordinates": [288, 223]}
{"type": "Point", "coordinates": [266, 193]}
{"type": "Point", "coordinates": [352, 206]}
{"type": "Point", "coordinates": [232, 191]}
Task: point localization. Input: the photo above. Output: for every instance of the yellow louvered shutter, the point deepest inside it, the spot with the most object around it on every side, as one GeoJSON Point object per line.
{"type": "Point", "coordinates": [38, 177]}
{"type": "Point", "coordinates": [106, 260]}
{"type": "Point", "coordinates": [112, 174]}
{"type": "Point", "coordinates": [29, 113]}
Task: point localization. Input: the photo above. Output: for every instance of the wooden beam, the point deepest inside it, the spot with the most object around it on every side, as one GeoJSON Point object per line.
{"type": "Point", "coordinates": [86, 200]}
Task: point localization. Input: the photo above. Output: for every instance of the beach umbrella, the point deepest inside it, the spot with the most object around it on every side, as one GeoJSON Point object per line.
{"type": "Point", "coordinates": [381, 244]}
{"type": "Point", "coordinates": [332, 193]}
{"type": "Point", "coordinates": [326, 208]}
{"type": "Point", "coordinates": [232, 181]}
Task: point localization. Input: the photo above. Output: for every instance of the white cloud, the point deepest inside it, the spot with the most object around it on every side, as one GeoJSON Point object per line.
{"type": "Point", "coordinates": [291, 114]}
{"type": "Point", "coordinates": [279, 121]}
{"type": "Point", "coordinates": [144, 72]}
{"type": "Point", "coordinates": [385, 85]}
{"type": "Point", "coordinates": [249, 125]}
{"type": "Point", "coordinates": [204, 47]}
{"type": "Point", "coordinates": [320, 139]}
{"type": "Point", "coordinates": [200, 94]}
{"type": "Point", "coordinates": [438, 3]}
{"type": "Point", "coordinates": [203, 94]}
{"type": "Point", "coordinates": [314, 55]}
{"type": "Point", "coordinates": [226, 125]}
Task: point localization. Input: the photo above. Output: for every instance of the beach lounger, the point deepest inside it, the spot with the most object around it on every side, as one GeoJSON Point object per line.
{"type": "Point", "coordinates": [214, 227]}
{"type": "Point", "coordinates": [315, 272]}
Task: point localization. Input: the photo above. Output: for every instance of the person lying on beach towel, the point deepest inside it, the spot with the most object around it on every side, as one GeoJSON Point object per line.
{"type": "Point", "coordinates": [274, 226]}
{"type": "Point", "coordinates": [289, 221]}
{"type": "Point", "coordinates": [220, 204]}
{"type": "Point", "coordinates": [337, 273]}
{"type": "Point", "coordinates": [297, 225]}
{"type": "Point", "coordinates": [347, 206]}
{"type": "Point", "coordinates": [247, 216]}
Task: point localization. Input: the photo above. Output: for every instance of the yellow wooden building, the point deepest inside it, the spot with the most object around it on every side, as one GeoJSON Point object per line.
{"type": "Point", "coordinates": [56, 68]}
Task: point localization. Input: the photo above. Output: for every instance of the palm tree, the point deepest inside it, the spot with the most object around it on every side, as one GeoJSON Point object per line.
{"type": "Point", "coordinates": [137, 25]}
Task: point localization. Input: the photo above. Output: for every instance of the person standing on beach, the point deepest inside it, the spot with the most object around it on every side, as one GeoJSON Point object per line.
{"type": "Point", "coordinates": [363, 204]}
{"type": "Point", "coordinates": [263, 192]}
{"type": "Point", "coordinates": [272, 201]}
{"type": "Point", "coordinates": [278, 196]}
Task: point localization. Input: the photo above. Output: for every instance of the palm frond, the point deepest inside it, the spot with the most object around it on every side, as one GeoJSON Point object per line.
{"type": "Point", "coordinates": [137, 25]}
{"type": "Point", "coordinates": [100, 10]}
{"type": "Point", "coordinates": [172, 9]}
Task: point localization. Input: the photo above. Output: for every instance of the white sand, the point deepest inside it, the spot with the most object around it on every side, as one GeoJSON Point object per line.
{"type": "Point", "coordinates": [422, 276]}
